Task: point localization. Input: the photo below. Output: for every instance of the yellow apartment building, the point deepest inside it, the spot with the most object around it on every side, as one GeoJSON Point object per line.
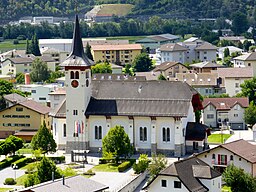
{"type": "Point", "coordinates": [118, 54]}
{"type": "Point", "coordinates": [23, 119]}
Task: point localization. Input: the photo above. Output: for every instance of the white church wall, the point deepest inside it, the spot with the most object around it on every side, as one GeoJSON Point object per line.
{"type": "Point", "coordinates": [142, 122]}
{"type": "Point", "coordinates": [58, 131]}
{"type": "Point", "coordinates": [162, 122]}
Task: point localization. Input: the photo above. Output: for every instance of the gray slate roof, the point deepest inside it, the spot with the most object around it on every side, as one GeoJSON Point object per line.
{"type": "Point", "coordinates": [172, 47]}
{"type": "Point", "coordinates": [189, 171]}
{"type": "Point", "coordinates": [140, 98]}
{"type": "Point", "coordinates": [76, 183]}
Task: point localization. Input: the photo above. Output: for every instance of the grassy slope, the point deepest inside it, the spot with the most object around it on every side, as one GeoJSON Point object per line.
{"type": "Point", "coordinates": [218, 138]}
{"type": "Point", "coordinates": [116, 9]}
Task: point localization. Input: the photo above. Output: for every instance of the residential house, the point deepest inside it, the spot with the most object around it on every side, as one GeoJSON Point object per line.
{"type": "Point", "coordinates": [57, 55]}
{"type": "Point", "coordinates": [205, 83]}
{"type": "Point", "coordinates": [233, 39]}
{"type": "Point", "coordinates": [17, 65]}
{"type": "Point", "coordinates": [76, 183]}
{"type": "Point", "coordinates": [232, 49]}
{"type": "Point", "coordinates": [205, 66]}
{"type": "Point", "coordinates": [14, 98]}
{"type": "Point", "coordinates": [117, 54]}
{"type": "Point", "coordinates": [230, 79]}
{"type": "Point", "coordinates": [188, 175]}
{"type": "Point", "coordinates": [240, 153]}
{"type": "Point", "coordinates": [206, 52]}
{"type": "Point", "coordinates": [153, 42]}
{"type": "Point", "coordinates": [24, 119]}
{"type": "Point", "coordinates": [39, 93]}
{"type": "Point", "coordinates": [225, 111]}
{"type": "Point", "coordinates": [56, 97]}
{"type": "Point", "coordinates": [246, 60]}
{"type": "Point", "coordinates": [173, 52]}
{"type": "Point", "coordinates": [196, 137]}
{"type": "Point", "coordinates": [170, 68]}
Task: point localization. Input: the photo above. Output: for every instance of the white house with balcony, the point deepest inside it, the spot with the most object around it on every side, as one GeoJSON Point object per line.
{"type": "Point", "coordinates": [190, 174]}
{"type": "Point", "coordinates": [225, 111]}
{"type": "Point", "coordinates": [240, 153]}
{"type": "Point", "coordinates": [173, 52]}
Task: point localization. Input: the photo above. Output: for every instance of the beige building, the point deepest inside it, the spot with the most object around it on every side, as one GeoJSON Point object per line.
{"type": "Point", "coordinates": [246, 60]}
{"type": "Point", "coordinates": [23, 118]}
{"type": "Point", "coordinates": [169, 69]}
{"type": "Point", "coordinates": [117, 54]}
{"type": "Point", "coordinates": [57, 55]}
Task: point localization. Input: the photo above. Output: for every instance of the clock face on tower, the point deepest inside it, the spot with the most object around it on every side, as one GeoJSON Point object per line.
{"type": "Point", "coordinates": [74, 83]}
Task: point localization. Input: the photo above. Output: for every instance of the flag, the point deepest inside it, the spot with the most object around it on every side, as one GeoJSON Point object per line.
{"type": "Point", "coordinates": [75, 129]}
{"type": "Point", "coordinates": [82, 127]}
{"type": "Point", "coordinates": [78, 127]}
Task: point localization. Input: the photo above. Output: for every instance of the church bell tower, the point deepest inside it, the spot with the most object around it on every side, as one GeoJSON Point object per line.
{"type": "Point", "coordinates": [78, 92]}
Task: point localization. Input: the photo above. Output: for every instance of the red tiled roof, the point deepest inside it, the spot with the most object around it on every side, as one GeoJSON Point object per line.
{"type": "Point", "coordinates": [33, 105]}
{"type": "Point", "coordinates": [226, 103]}
{"type": "Point", "coordinates": [235, 72]}
{"type": "Point", "coordinates": [243, 149]}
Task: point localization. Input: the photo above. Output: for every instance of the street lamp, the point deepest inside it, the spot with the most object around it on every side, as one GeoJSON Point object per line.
{"type": "Point", "coordinates": [15, 167]}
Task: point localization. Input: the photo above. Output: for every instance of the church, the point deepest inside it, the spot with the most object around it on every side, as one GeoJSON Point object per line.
{"type": "Point", "coordinates": [154, 114]}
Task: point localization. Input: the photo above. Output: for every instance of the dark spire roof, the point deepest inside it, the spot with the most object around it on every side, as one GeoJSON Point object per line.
{"type": "Point", "coordinates": [77, 56]}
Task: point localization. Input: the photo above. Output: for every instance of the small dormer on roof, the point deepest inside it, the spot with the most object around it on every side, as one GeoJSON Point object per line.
{"type": "Point", "coordinates": [77, 56]}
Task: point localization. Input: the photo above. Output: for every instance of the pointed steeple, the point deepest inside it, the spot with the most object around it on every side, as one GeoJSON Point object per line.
{"type": "Point", "coordinates": [77, 56]}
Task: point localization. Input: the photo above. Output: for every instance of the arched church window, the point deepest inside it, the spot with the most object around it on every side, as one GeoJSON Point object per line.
{"type": "Point", "coordinates": [77, 75]}
{"type": "Point", "coordinates": [72, 75]}
{"type": "Point", "coordinates": [87, 82]}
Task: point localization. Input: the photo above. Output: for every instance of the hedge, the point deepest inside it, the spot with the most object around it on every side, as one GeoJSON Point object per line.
{"type": "Point", "coordinates": [22, 162]}
{"type": "Point", "coordinates": [9, 181]}
{"type": "Point", "coordinates": [112, 160]}
{"type": "Point", "coordinates": [60, 159]}
{"type": "Point", "coordinates": [8, 161]}
{"type": "Point", "coordinates": [125, 165]}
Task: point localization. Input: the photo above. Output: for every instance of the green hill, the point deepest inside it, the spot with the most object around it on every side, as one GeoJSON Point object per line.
{"type": "Point", "coordinates": [115, 9]}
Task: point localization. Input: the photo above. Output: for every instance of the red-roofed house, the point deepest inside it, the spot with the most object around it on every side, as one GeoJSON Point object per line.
{"type": "Point", "coordinates": [24, 119]}
{"type": "Point", "coordinates": [240, 153]}
{"type": "Point", "coordinates": [223, 110]}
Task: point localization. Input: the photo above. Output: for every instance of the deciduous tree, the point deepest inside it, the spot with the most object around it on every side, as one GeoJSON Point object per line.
{"type": "Point", "coordinates": [88, 51]}
{"type": "Point", "coordinates": [102, 68]}
{"type": "Point", "coordinates": [142, 63]}
{"type": "Point", "coordinates": [157, 164]}
{"type": "Point", "coordinates": [39, 71]}
{"type": "Point", "coordinates": [117, 142]}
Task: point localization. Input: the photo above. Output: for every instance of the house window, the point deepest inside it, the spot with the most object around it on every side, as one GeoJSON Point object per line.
{"type": "Point", "coordinates": [231, 158]}
{"type": "Point", "coordinates": [87, 74]}
{"type": "Point", "coordinates": [19, 109]}
{"type": "Point", "coordinates": [222, 159]}
{"type": "Point", "coordinates": [235, 115]}
{"type": "Point", "coordinates": [166, 134]}
{"type": "Point", "coordinates": [195, 145]}
{"type": "Point", "coordinates": [75, 112]}
{"type": "Point", "coordinates": [210, 116]}
{"type": "Point", "coordinates": [42, 99]}
{"type": "Point", "coordinates": [143, 133]}
{"type": "Point", "coordinates": [249, 64]}
{"type": "Point", "coordinates": [98, 132]}
{"type": "Point", "coordinates": [64, 130]}
{"type": "Point", "coordinates": [33, 91]}
{"type": "Point", "coordinates": [177, 184]}
{"type": "Point", "coordinates": [163, 183]}
{"type": "Point", "coordinates": [213, 156]}
{"type": "Point", "coordinates": [237, 85]}
{"type": "Point", "coordinates": [205, 58]}
{"type": "Point", "coordinates": [236, 107]}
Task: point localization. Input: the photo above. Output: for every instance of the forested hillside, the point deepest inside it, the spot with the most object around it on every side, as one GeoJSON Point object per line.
{"type": "Point", "coordinates": [13, 9]}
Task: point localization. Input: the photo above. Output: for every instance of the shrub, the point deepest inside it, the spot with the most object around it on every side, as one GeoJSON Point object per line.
{"type": "Point", "coordinates": [142, 165]}
{"type": "Point", "coordinates": [125, 165]}
{"type": "Point", "coordinates": [89, 172]}
{"type": "Point", "coordinates": [8, 161]}
{"type": "Point", "coordinates": [22, 162]}
{"type": "Point", "coordinates": [106, 160]}
{"type": "Point", "coordinates": [9, 181]}
{"type": "Point", "coordinates": [60, 159]}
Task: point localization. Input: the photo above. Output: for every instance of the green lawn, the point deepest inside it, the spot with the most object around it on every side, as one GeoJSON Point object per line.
{"type": "Point", "coordinates": [5, 189]}
{"type": "Point", "coordinates": [21, 180]}
{"type": "Point", "coordinates": [7, 45]}
{"type": "Point", "coordinates": [109, 167]}
{"type": "Point", "coordinates": [226, 189]}
{"type": "Point", "coordinates": [218, 138]}
{"type": "Point", "coordinates": [25, 151]}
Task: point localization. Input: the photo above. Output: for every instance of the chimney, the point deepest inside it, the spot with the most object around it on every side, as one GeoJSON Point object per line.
{"type": "Point", "coordinates": [27, 79]}
{"type": "Point", "coordinates": [52, 176]}
{"type": "Point", "coordinates": [63, 180]}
